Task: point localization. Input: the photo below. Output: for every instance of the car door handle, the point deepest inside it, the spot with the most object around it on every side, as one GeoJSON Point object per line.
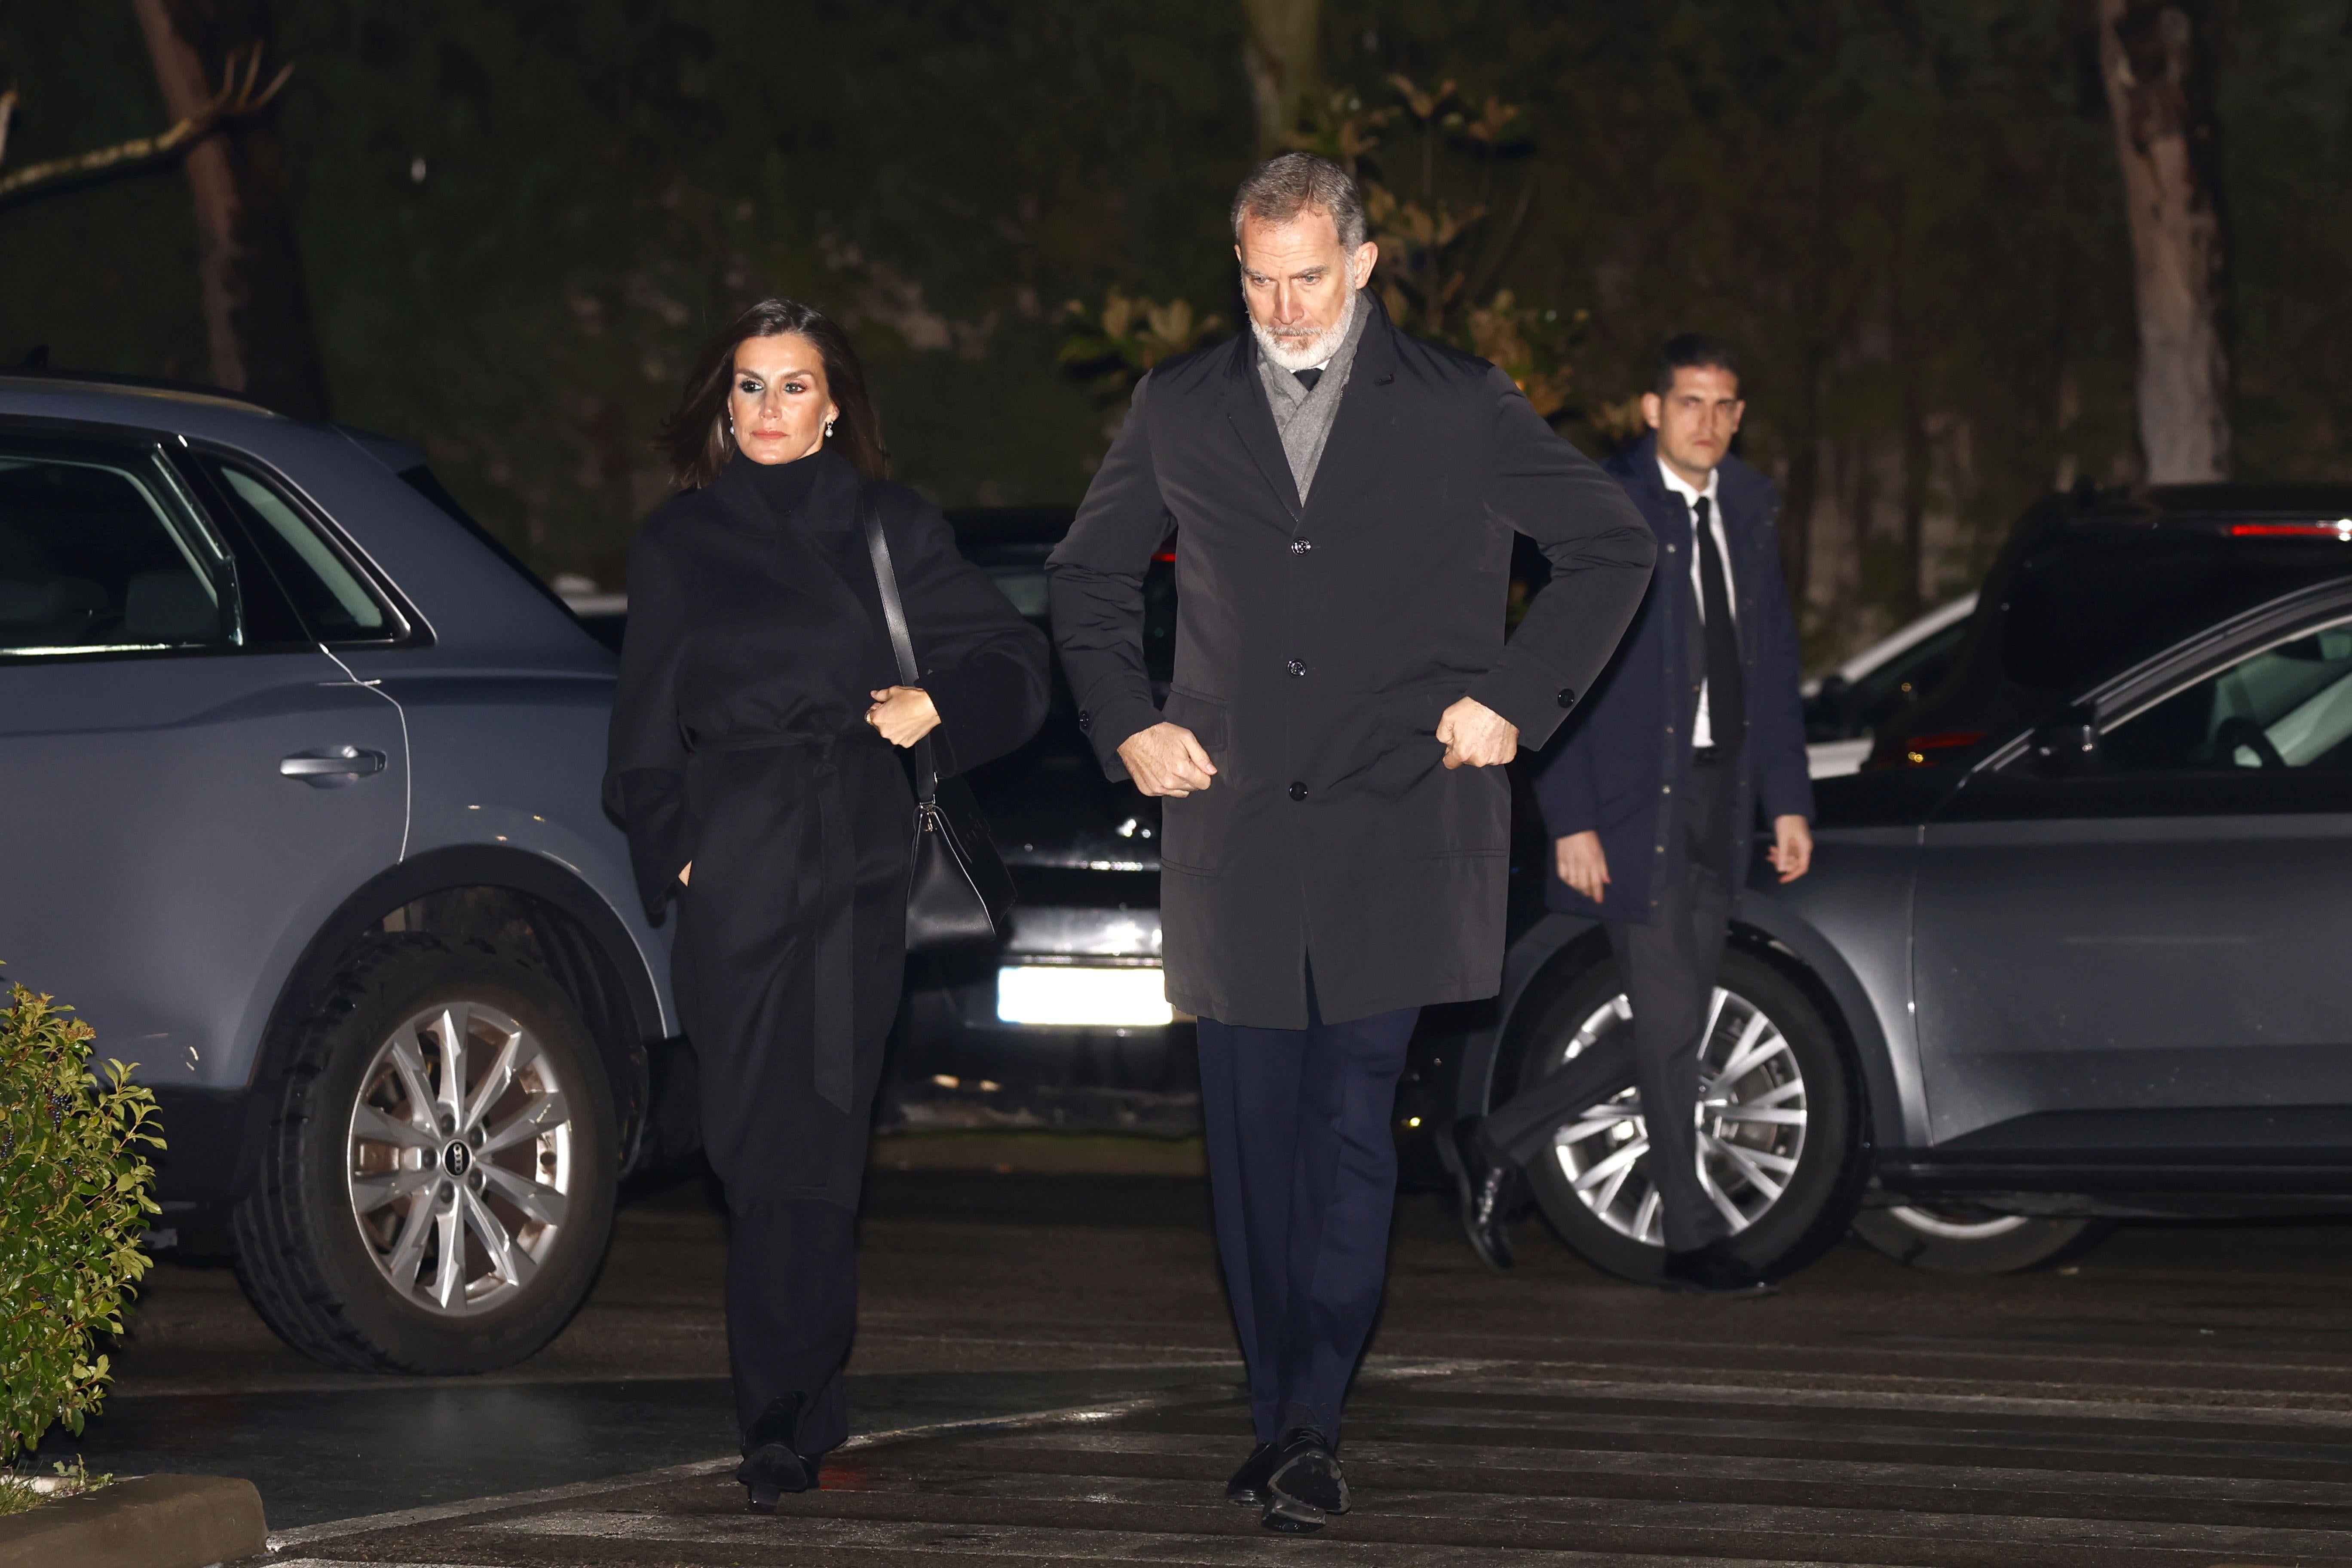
{"type": "Point", "coordinates": [331, 767]}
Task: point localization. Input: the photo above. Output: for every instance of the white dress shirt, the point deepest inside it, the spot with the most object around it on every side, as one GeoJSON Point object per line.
{"type": "Point", "coordinates": [1702, 731]}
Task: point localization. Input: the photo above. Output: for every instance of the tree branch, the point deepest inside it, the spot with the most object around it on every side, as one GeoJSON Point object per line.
{"type": "Point", "coordinates": [240, 95]}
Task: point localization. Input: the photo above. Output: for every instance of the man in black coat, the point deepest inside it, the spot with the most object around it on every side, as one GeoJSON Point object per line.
{"type": "Point", "coordinates": [1651, 799]}
{"type": "Point", "coordinates": [1337, 821]}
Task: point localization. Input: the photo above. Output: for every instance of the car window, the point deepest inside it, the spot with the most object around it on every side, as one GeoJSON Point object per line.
{"type": "Point", "coordinates": [96, 556]}
{"type": "Point", "coordinates": [1909, 676]}
{"type": "Point", "coordinates": [2288, 706]}
{"type": "Point", "coordinates": [1025, 586]}
{"type": "Point", "coordinates": [333, 600]}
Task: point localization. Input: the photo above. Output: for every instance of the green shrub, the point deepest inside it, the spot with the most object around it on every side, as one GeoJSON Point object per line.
{"type": "Point", "coordinates": [75, 1194]}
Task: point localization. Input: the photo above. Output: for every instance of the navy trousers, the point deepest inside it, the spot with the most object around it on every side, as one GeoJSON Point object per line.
{"type": "Point", "coordinates": [1669, 970]}
{"type": "Point", "coordinates": [1303, 1169]}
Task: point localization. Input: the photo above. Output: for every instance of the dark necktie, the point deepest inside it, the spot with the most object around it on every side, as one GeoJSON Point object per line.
{"type": "Point", "coordinates": [1309, 376]}
{"type": "Point", "coordinates": [1726, 706]}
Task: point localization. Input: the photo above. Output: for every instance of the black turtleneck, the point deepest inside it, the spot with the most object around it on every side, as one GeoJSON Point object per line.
{"type": "Point", "coordinates": [783, 485]}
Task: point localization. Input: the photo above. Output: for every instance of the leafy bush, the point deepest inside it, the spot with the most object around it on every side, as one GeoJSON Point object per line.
{"type": "Point", "coordinates": [75, 1194]}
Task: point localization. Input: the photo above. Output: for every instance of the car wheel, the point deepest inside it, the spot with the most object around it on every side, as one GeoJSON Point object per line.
{"type": "Point", "coordinates": [1960, 1239]}
{"type": "Point", "coordinates": [435, 1191]}
{"type": "Point", "coordinates": [1779, 1146]}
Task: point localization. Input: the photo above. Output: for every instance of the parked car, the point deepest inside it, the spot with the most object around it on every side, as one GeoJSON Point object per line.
{"type": "Point", "coordinates": [2070, 949]}
{"type": "Point", "coordinates": [1849, 708]}
{"type": "Point", "coordinates": [301, 775]}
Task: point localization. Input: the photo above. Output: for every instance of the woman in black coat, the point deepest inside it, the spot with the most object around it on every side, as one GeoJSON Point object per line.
{"type": "Point", "coordinates": [753, 764]}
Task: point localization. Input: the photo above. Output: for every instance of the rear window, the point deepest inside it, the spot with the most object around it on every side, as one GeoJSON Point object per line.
{"type": "Point", "coordinates": [2099, 598]}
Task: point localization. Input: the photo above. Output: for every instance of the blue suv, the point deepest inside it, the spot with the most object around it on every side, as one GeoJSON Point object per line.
{"type": "Point", "coordinates": [300, 770]}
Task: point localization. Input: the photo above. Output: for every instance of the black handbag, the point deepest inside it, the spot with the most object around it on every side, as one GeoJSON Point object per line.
{"type": "Point", "coordinates": [958, 890]}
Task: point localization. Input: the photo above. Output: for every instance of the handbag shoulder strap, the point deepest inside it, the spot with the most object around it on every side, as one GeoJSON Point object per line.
{"type": "Point", "coordinates": [894, 615]}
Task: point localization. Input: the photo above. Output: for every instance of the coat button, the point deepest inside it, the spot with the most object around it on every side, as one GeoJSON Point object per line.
{"type": "Point", "coordinates": [1295, 668]}
{"type": "Point", "coordinates": [1085, 720]}
{"type": "Point", "coordinates": [1567, 696]}
{"type": "Point", "coordinates": [1301, 546]}
{"type": "Point", "coordinates": [1298, 792]}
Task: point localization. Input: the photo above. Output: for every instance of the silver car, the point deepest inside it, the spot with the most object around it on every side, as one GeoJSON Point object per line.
{"type": "Point", "coordinates": [301, 771]}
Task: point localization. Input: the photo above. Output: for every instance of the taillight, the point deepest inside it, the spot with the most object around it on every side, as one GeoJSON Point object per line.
{"type": "Point", "coordinates": [2341, 528]}
{"type": "Point", "coordinates": [1927, 750]}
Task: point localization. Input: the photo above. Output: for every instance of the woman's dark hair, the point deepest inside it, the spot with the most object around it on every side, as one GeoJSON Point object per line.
{"type": "Point", "coordinates": [695, 438]}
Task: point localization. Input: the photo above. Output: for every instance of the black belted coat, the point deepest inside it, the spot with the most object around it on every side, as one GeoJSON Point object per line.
{"type": "Point", "coordinates": [739, 743]}
{"type": "Point", "coordinates": [1317, 645]}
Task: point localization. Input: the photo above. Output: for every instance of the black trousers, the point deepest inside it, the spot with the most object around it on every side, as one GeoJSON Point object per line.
{"type": "Point", "coordinates": [792, 1311]}
{"type": "Point", "coordinates": [1303, 1169]}
{"type": "Point", "coordinates": [1669, 969]}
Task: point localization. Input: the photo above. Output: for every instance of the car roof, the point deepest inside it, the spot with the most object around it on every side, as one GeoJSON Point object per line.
{"type": "Point", "coordinates": [27, 379]}
{"type": "Point", "coordinates": [2167, 503]}
{"type": "Point", "coordinates": [1907, 636]}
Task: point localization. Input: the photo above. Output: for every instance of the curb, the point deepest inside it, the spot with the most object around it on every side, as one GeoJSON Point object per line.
{"type": "Point", "coordinates": [149, 1522]}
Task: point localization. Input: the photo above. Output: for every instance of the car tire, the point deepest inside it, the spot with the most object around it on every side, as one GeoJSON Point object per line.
{"type": "Point", "coordinates": [1816, 1166]}
{"type": "Point", "coordinates": [376, 1158]}
{"type": "Point", "coordinates": [1948, 1238]}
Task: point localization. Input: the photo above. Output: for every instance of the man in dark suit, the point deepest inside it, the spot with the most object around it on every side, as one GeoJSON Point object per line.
{"type": "Point", "coordinates": [1651, 799]}
{"type": "Point", "coordinates": [1337, 821]}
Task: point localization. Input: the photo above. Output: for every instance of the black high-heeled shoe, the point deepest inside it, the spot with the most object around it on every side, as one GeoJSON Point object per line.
{"type": "Point", "coordinates": [772, 1465]}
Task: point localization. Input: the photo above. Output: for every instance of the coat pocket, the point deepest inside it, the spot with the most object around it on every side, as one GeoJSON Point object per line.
{"type": "Point", "coordinates": [1201, 713]}
{"type": "Point", "coordinates": [1196, 831]}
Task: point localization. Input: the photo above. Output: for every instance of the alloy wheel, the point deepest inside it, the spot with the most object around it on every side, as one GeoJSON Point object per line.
{"type": "Point", "coordinates": [1751, 1117]}
{"type": "Point", "coordinates": [461, 1168]}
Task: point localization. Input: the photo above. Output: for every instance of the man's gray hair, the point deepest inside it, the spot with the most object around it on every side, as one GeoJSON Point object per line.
{"type": "Point", "coordinates": [1289, 184]}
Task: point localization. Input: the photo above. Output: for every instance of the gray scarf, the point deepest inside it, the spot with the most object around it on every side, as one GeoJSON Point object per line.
{"type": "Point", "coordinates": [1304, 417]}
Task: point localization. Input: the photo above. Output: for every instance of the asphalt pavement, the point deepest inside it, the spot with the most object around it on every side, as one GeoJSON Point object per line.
{"type": "Point", "coordinates": [1045, 1372]}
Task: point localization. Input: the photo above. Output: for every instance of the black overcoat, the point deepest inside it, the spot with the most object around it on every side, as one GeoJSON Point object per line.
{"type": "Point", "coordinates": [1317, 646]}
{"type": "Point", "coordinates": [739, 743]}
{"type": "Point", "coordinates": [1622, 767]}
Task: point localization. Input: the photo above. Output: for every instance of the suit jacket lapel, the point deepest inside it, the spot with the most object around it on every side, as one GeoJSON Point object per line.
{"type": "Point", "coordinates": [1352, 453]}
{"type": "Point", "coordinates": [1252, 422]}
{"type": "Point", "coordinates": [1670, 519]}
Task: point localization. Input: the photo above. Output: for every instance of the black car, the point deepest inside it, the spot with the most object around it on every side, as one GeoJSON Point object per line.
{"type": "Point", "coordinates": [1068, 1025]}
{"type": "Point", "coordinates": [2070, 948]}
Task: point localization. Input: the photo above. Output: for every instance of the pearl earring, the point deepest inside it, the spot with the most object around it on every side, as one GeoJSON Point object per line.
{"type": "Point", "coordinates": [828, 429]}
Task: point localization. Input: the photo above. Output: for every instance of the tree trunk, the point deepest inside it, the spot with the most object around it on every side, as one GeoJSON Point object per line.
{"type": "Point", "coordinates": [2160, 59]}
{"type": "Point", "coordinates": [249, 273]}
{"type": "Point", "coordinates": [1284, 57]}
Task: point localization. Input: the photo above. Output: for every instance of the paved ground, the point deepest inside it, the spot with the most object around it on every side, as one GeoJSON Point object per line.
{"type": "Point", "coordinates": [2181, 1395]}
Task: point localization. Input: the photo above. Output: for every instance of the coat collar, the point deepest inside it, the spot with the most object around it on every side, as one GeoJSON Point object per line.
{"type": "Point", "coordinates": [1355, 420]}
{"type": "Point", "coordinates": [794, 558]}
{"type": "Point", "coordinates": [1744, 492]}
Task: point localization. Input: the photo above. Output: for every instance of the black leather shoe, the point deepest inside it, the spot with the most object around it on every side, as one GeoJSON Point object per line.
{"type": "Point", "coordinates": [1248, 1485]}
{"type": "Point", "coordinates": [1306, 1488]}
{"type": "Point", "coordinates": [772, 1465]}
{"type": "Point", "coordinates": [1715, 1271]}
{"type": "Point", "coordinates": [1487, 1192]}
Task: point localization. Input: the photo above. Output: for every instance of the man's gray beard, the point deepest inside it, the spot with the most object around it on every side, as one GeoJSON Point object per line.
{"type": "Point", "coordinates": [1318, 349]}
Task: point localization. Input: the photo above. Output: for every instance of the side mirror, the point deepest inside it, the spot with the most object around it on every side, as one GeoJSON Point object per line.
{"type": "Point", "coordinates": [2068, 747]}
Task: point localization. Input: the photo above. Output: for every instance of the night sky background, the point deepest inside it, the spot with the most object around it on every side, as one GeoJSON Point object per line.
{"type": "Point", "coordinates": [518, 222]}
